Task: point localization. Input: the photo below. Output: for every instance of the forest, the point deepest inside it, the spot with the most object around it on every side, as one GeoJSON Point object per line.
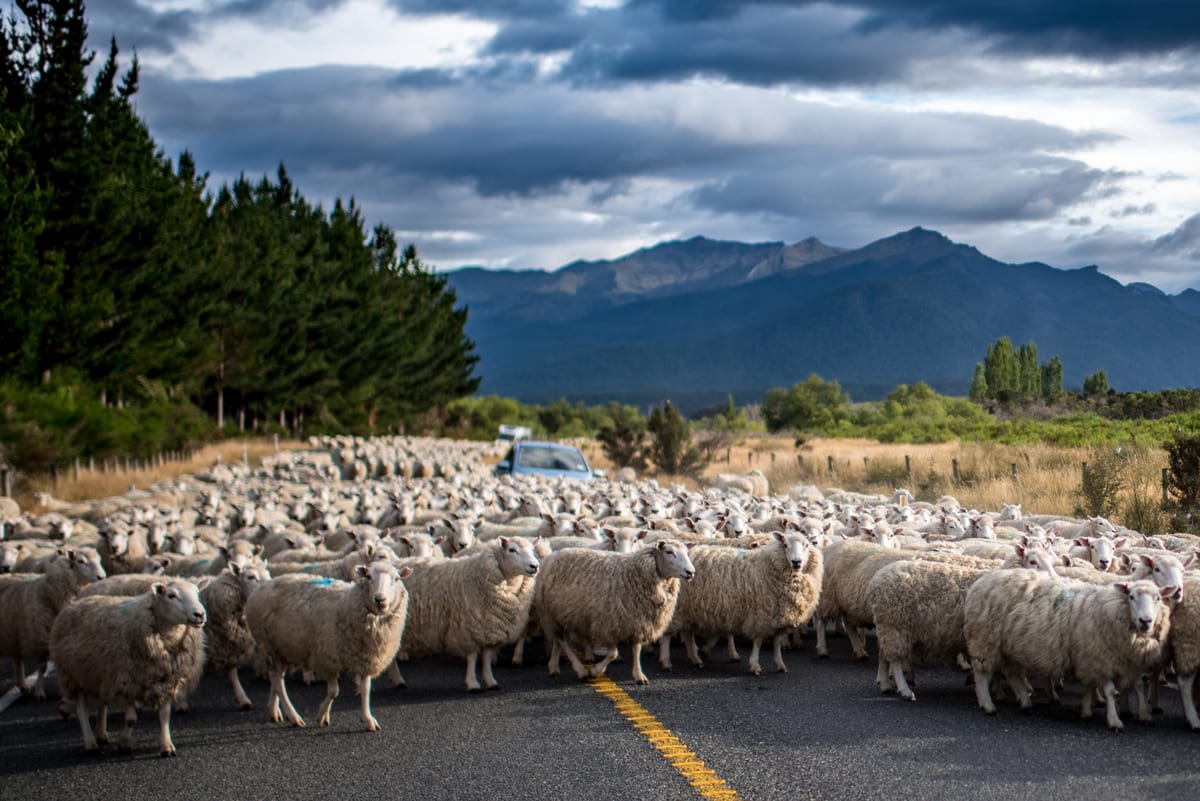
{"type": "Point", "coordinates": [142, 309]}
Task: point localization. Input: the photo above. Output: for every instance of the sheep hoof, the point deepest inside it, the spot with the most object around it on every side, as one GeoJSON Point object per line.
{"type": "Point", "coordinates": [101, 741]}
{"type": "Point", "coordinates": [168, 753]}
{"type": "Point", "coordinates": [474, 689]}
{"type": "Point", "coordinates": [39, 695]}
{"type": "Point", "coordinates": [665, 668]}
{"type": "Point", "coordinates": [861, 657]}
{"type": "Point", "coordinates": [1158, 710]}
{"type": "Point", "coordinates": [822, 656]}
{"type": "Point", "coordinates": [735, 659]}
{"type": "Point", "coordinates": [1117, 729]}
{"type": "Point", "coordinates": [643, 681]}
{"type": "Point", "coordinates": [991, 712]}
{"type": "Point", "coordinates": [781, 669]}
{"type": "Point", "coordinates": [246, 707]}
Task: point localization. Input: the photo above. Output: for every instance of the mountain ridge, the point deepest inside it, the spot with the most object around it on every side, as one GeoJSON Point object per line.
{"type": "Point", "coordinates": [912, 306]}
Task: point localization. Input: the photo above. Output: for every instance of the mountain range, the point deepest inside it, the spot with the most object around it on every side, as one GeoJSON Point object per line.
{"type": "Point", "coordinates": [695, 320]}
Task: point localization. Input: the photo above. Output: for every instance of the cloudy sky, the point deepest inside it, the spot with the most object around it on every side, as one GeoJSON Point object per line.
{"type": "Point", "coordinates": [528, 133]}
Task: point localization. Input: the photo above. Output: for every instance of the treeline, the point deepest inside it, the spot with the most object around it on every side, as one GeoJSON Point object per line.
{"type": "Point", "coordinates": [130, 286]}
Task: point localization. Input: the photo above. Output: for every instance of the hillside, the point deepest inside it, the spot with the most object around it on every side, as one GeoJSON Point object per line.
{"type": "Point", "coordinates": [697, 319]}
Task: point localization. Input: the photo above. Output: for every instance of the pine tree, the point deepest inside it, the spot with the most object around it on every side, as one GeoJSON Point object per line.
{"type": "Point", "coordinates": [671, 448]}
{"type": "Point", "coordinates": [1052, 379]}
{"type": "Point", "coordinates": [979, 386]}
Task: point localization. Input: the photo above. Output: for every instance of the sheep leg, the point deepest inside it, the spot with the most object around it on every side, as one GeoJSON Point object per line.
{"type": "Point", "coordinates": [902, 688]}
{"type": "Point", "coordinates": [1110, 701]}
{"type": "Point", "coordinates": [518, 654]}
{"type": "Point", "coordinates": [601, 666]}
{"type": "Point", "coordinates": [165, 746]}
{"type": "Point", "coordinates": [39, 687]}
{"type": "Point", "coordinates": [779, 665]}
{"type": "Point", "coordinates": [239, 692]}
{"type": "Point", "coordinates": [693, 653]}
{"type": "Point", "coordinates": [857, 641]}
{"type": "Point", "coordinates": [472, 680]}
{"type": "Point", "coordinates": [1189, 702]}
{"type": "Point", "coordinates": [1086, 701]}
{"type": "Point", "coordinates": [1143, 714]}
{"type": "Point", "coordinates": [731, 649]}
{"type": "Point", "coordinates": [1155, 680]}
{"type": "Point", "coordinates": [19, 675]}
{"type": "Point", "coordinates": [102, 724]}
{"type": "Point", "coordinates": [489, 680]}
{"type": "Point", "coordinates": [664, 652]}
{"type": "Point", "coordinates": [822, 648]}
{"type": "Point", "coordinates": [332, 690]}
{"type": "Point", "coordinates": [755, 667]}
{"type": "Point", "coordinates": [638, 675]}
{"type": "Point", "coordinates": [555, 661]}
{"type": "Point", "coordinates": [565, 647]}
{"type": "Point", "coordinates": [882, 675]}
{"type": "Point", "coordinates": [364, 695]}
{"type": "Point", "coordinates": [393, 672]}
{"type": "Point", "coordinates": [279, 688]}
{"type": "Point", "coordinates": [983, 685]}
{"type": "Point", "coordinates": [709, 644]}
{"type": "Point", "coordinates": [85, 725]}
{"type": "Point", "coordinates": [126, 742]}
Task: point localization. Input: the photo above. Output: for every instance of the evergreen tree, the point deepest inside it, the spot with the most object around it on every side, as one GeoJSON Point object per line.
{"type": "Point", "coordinates": [1052, 379]}
{"type": "Point", "coordinates": [624, 439]}
{"type": "Point", "coordinates": [1030, 381]}
{"type": "Point", "coordinates": [671, 447]}
{"type": "Point", "coordinates": [979, 387]}
{"type": "Point", "coordinates": [1096, 384]}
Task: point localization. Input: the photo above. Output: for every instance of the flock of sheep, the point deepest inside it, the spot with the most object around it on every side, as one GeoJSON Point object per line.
{"type": "Point", "coordinates": [357, 555]}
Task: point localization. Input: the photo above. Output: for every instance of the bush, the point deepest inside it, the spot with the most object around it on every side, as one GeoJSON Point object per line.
{"type": "Point", "coordinates": [1183, 471]}
{"type": "Point", "coordinates": [1103, 481]}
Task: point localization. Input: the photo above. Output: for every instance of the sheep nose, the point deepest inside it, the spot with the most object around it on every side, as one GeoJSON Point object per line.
{"type": "Point", "coordinates": [1104, 564]}
{"type": "Point", "coordinates": [533, 570]}
{"type": "Point", "coordinates": [688, 575]}
{"type": "Point", "coordinates": [381, 602]}
{"type": "Point", "coordinates": [198, 618]}
{"type": "Point", "coordinates": [1144, 623]}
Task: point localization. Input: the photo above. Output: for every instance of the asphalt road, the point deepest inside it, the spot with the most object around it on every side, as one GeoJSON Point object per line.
{"type": "Point", "coordinates": [820, 731]}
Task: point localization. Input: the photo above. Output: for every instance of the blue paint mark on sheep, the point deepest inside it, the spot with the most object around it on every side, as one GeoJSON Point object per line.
{"type": "Point", "coordinates": [313, 568]}
{"type": "Point", "coordinates": [322, 582]}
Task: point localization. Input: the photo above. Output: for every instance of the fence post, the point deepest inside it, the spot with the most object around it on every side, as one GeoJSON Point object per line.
{"type": "Point", "coordinates": [864, 462]}
{"type": "Point", "coordinates": [276, 444]}
{"type": "Point", "coordinates": [830, 458]}
{"type": "Point", "coordinates": [954, 469]}
{"type": "Point", "coordinates": [1083, 474]}
{"type": "Point", "coordinates": [1014, 472]}
{"type": "Point", "coordinates": [76, 476]}
{"type": "Point", "coordinates": [772, 457]}
{"type": "Point", "coordinates": [908, 467]}
{"type": "Point", "coordinates": [245, 454]}
{"type": "Point", "coordinates": [728, 455]}
{"type": "Point", "coordinates": [5, 486]}
{"type": "Point", "coordinates": [800, 462]}
{"type": "Point", "coordinates": [1166, 482]}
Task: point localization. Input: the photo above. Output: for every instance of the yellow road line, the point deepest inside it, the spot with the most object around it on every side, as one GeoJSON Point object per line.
{"type": "Point", "coordinates": [707, 783]}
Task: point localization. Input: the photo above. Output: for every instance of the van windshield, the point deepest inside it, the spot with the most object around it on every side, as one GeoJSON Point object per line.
{"type": "Point", "coordinates": [551, 459]}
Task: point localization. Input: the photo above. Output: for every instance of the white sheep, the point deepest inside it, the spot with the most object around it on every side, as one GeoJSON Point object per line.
{"type": "Point", "coordinates": [758, 593]}
{"type": "Point", "coordinates": [129, 652]}
{"type": "Point", "coordinates": [604, 598]}
{"type": "Point", "coordinates": [328, 627]}
{"type": "Point", "coordinates": [29, 603]}
{"type": "Point", "coordinates": [1107, 636]}
{"type": "Point", "coordinates": [229, 641]}
{"type": "Point", "coordinates": [471, 606]}
{"type": "Point", "coordinates": [753, 483]}
{"type": "Point", "coordinates": [1185, 646]}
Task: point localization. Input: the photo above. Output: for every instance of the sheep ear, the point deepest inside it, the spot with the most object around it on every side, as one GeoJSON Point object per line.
{"type": "Point", "coordinates": [1123, 588]}
{"type": "Point", "coordinates": [1120, 543]}
{"type": "Point", "coordinates": [159, 588]}
{"type": "Point", "coordinates": [1020, 550]}
{"type": "Point", "coordinates": [1191, 558]}
{"type": "Point", "coordinates": [1066, 561]}
{"type": "Point", "coordinates": [1171, 594]}
{"type": "Point", "coordinates": [257, 550]}
{"type": "Point", "coordinates": [405, 572]}
{"type": "Point", "coordinates": [662, 545]}
{"type": "Point", "coordinates": [234, 568]}
{"type": "Point", "coordinates": [641, 535]}
{"type": "Point", "coordinates": [504, 542]}
{"type": "Point", "coordinates": [361, 571]}
{"type": "Point", "coordinates": [223, 551]}
{"type": "Point", "coordinates": [1148, 561]}
{"type": "Point", "coordinates": [782, 537]}
{"type": "Point", "coordinates": [1080, 541]}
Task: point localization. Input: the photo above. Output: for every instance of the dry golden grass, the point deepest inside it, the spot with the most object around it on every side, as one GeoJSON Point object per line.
{"type": "Point", "coordinates": [1048, 477]}
{"type": "Point", "coordinates": [92, 484]}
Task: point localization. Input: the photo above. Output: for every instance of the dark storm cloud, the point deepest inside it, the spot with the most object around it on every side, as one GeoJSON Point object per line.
{"type": "Point", "coordinates": [486, 9]}
{"type": "Point", "coordinates": [138, 26]}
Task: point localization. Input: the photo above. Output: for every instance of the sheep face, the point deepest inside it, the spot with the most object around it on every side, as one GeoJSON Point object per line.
{"type": "Point", "coordinates": [1102, 551]}
{"type": "Point", "coordinates": [1037, 558]}
{"type": "Point", "coordinates": [1010, 511]}
{"type": "Point", "coordinates": [461, 536]}
{"type": "Point", "coordinates": [10, 554]}
{"type": "Point", "coordinates": [797, 548]}
{"type": "Point", "coordinates": [85, 562]}
{"type": "Point", "coordinates": [517, 557]}
{"type": "Point", "coordinates": [249, 577]}
{"type": "Point", "coordinates": [1145, 601]}
{"type": "Point", "coordinates": [156, 565]}
{"type": "Point", "coordinates": [117, 540]}
{"type": "Point", "coordinates": [178, 603]}
{"type": "Point", "coordinates": [381, 586]}
{"type": "Point", "coordinates": [1164, 570]}
{"type": "Point", "coordinates": [182, 544]}
{"type": "Point", "coordinates": [672, 559]}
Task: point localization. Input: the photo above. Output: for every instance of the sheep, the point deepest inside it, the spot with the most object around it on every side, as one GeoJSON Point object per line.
{"type": "Point", "coordinates": [10, 554]}
{"type": "Point", "coordinates": [757, 593]}
{"type": "Point", "coordinates": [917, 609]}
{"type": "Point", "coordinates": [604, 598]}
{"type": "Point", "coordinates": [130, 652]}
{"type": "Point", "coordinates": [1106, 635]}
{"type": "Point", "coordinates": [342, 568]}
{"type": "Point", "coordinates": [327, 627]}
{"type": "Point", "coordinates": [125, 585]}
{"type": "Point", "coordinates": [229, 642]}
{"type": "Point", "coordinates": [471, 606]}
{"type": "Point", "coordinates": [1185, 646]}
{"type": "Point", "coordinates": [752, 483]}
{"type": "Point", "coordinates": [29, 603]}
{"type": "Point", "coordinates": [1101, 551]}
